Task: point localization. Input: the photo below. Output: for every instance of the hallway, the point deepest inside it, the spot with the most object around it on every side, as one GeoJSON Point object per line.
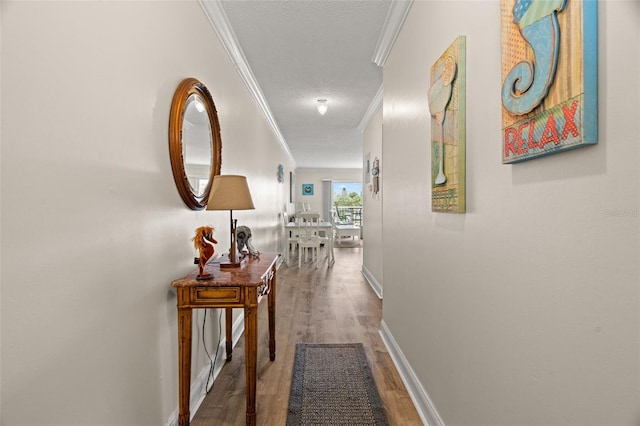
{"type": "Point", "coordinates": [325, 305]}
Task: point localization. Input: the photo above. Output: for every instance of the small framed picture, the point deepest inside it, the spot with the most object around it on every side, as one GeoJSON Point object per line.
{"type": "Point", "coordinates": [367, 168]}
{"type": "Point", "coordinates": [292, 187]}
{"type": "Point", "coordinates": [307, 189]}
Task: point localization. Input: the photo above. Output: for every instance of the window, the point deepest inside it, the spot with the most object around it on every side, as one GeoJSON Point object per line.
{"type": "Point", "coordinates": [347, 201]}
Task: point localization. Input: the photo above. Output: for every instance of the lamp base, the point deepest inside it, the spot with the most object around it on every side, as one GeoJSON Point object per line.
{"type": "Point", "coordinates": [204, 277]}
{"type": "Point", "coordinates": [226, 262]}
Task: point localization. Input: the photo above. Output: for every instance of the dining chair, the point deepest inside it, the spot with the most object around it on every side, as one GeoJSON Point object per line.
{"type": "Point", "coordinates": [341, 217]}
{"type": "Point", "coordinates": [302, 207]}
{"type": "Point", "coordinates": [291, 238]}
{"type": "Point", "coordinates": [309, 237]}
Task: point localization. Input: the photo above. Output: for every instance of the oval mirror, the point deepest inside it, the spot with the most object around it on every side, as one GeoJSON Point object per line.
{"type": "Point", "coordinates": [195, 146]}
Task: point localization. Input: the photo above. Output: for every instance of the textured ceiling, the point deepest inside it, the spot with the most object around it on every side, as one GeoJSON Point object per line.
{"type": "Point", "coordinates": [300, 51]}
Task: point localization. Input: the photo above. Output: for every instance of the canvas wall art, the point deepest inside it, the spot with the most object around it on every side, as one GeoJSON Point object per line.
{"type": "Point", "coordinates": [447, 105]}
{"type": "Point", "coordinates": [307, 189]}
{"type": "Point", "coordinates": [549, 77]}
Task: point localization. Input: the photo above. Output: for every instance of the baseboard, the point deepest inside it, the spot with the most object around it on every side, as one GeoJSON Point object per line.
{"type": "Point", "coordinates": [421, 400]}
{"type": "Point", "coordinates": [198, 392]}
{"type": "Point", "coordinates": [375, 285]}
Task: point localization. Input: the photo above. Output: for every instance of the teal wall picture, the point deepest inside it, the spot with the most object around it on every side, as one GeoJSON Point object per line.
{"type": "Point", "coordinates": [307, 189]}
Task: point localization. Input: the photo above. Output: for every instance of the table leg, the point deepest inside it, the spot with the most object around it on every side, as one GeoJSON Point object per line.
{"type": "Point", "coordinates": [184, 361]}
{"type": "Point", "coordinates": [228, 319]}
{"type": "Point", "coordinates": [272, 316]}
{"type": "Point", "coordinates": [331, 256]}
{"type": "Point", "coordinates": [251, 351]}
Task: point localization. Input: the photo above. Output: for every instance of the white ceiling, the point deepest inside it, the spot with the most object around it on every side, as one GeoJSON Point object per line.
{"type": "Point", "coordinates": [292, 53]}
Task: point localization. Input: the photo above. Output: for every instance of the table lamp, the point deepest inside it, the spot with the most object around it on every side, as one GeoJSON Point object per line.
{"type": "Point", "coordinates": [230, 192]}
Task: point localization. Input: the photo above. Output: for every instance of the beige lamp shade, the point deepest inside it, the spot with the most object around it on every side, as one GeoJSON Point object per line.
{"type": "Point", "coordinates": [230, 192]}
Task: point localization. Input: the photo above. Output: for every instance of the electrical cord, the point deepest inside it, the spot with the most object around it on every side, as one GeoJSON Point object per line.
{"type": "Point", "coordinates": [212, 361]}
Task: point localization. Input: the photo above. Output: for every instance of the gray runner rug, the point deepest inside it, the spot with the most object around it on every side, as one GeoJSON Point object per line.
{"type": "Point", "coordinates": [332, 384]}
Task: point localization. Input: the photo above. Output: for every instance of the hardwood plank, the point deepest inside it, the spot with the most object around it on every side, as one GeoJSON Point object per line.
{"type": "Point", "coordinates": [325, 305]}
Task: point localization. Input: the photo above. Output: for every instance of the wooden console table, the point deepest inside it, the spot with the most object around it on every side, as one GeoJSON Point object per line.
{"type": "Point", "coordinates": [230, 288]}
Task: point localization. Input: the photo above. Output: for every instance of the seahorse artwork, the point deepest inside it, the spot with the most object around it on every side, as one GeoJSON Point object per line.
{"type": "Point", "coordinates": [549, 77]}
{"type": "Point", "coordinates": [528, 82]}
{"type": "Point", "coordinates": [204, 242]}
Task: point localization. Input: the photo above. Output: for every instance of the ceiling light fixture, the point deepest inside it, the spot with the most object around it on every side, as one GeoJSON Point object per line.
{"type": "Point", "coordinates": [322, 106]}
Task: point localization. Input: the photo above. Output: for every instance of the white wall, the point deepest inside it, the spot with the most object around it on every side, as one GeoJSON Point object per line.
{"type": "Point", "coordinates": [315, 176]}
{"type": "Point", "coordinates": [372, 206]}
{"type": "Point", "coordinates": [0, 217]}
{"type": "Point", "coordinates": [525, 310]}
{"type": "Point", "coordinates": [93, 228]}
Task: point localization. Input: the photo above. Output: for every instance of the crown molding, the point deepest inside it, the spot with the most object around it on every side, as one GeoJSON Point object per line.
{"type": "Point", "coordinates": [375, 104]}
{"type": "Point", "coordinates": [392, 24]}
{"type": "Point", "coordinates": [218, 18]}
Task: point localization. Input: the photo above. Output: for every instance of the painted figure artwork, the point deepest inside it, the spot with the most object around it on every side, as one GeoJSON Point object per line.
{"type": "Point", "coordinates": [447, 105]}
{"type": "Point", "coordinates": [549, 77]}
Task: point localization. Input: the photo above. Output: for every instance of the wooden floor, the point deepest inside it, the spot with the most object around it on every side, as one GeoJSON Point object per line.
{"type": "Point", "coordinates": [325, 305]}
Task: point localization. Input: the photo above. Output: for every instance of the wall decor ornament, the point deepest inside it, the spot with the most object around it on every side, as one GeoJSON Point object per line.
{"type": "Point", "coordinates": [375, 172]}
{"type": "Point", "coordinates": [307, 189]}
{"type": "Point", "coordinates": [280, 173]}
{"type": "Point", "coordinates": [292, 187]}
{"type": "Point", "coordinates": [550, 77]}
{"type": "Point", "coordinates": [447, 104]}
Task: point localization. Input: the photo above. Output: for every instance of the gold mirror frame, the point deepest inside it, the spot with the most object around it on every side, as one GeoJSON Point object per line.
{"type": "Point", "coordinates": [188, 87]}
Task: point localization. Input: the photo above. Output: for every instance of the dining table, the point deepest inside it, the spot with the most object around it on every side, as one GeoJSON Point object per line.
{"type": "Point", "coordinates": [325, 226]}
